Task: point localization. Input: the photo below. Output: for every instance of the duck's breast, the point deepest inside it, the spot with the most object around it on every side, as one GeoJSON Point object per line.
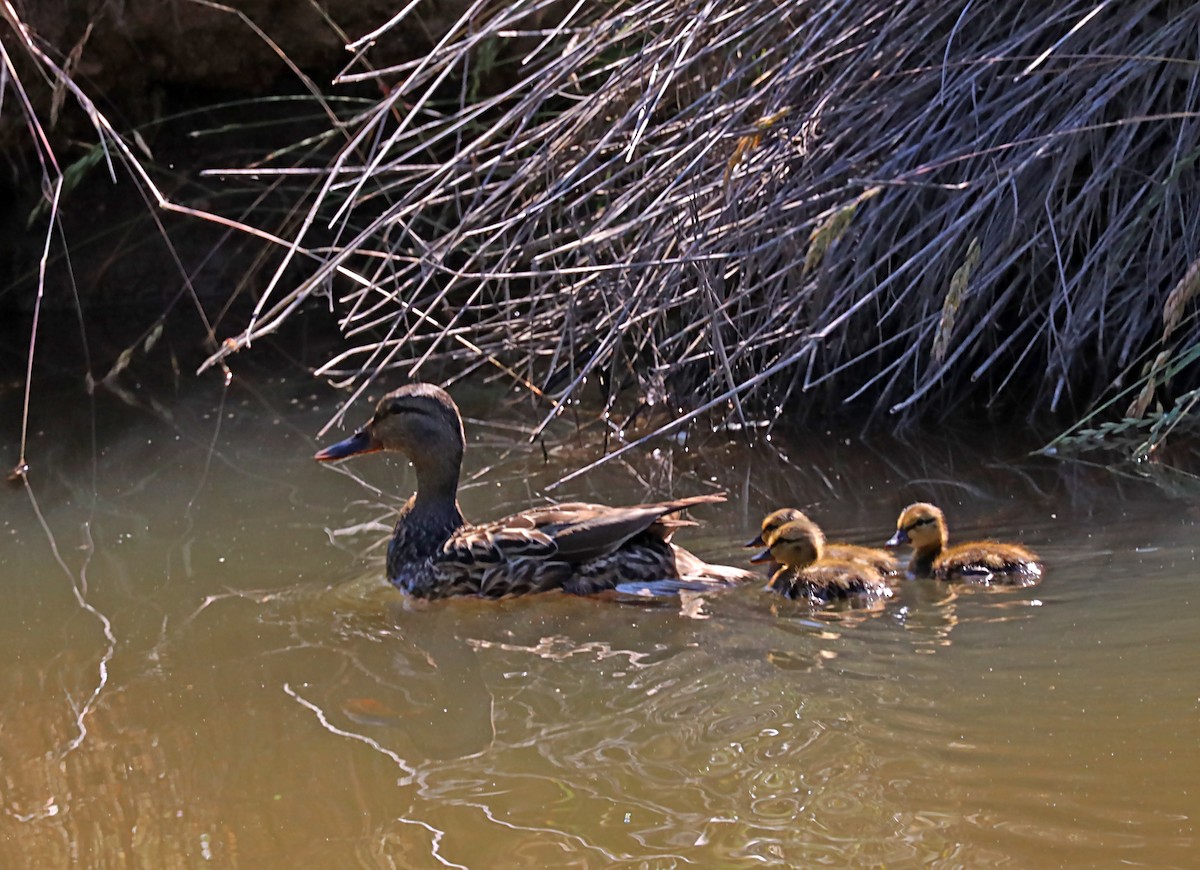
{"type": "Point", "coordinates": [831, 580]}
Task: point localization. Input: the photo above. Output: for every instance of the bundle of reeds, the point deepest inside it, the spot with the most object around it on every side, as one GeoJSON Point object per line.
{"type": "Point", "coordinates": [758, 204]}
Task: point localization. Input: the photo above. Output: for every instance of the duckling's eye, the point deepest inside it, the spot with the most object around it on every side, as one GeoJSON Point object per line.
{"type": "Point", "coordinates": [924, 521]}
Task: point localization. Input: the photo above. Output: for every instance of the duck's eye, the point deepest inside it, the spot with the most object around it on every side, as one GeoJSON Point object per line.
{"type": "Point", "coordinates": [924, 521]}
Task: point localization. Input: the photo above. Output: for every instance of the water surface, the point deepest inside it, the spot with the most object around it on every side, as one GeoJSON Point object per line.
{"type": "Point", "coordinates": [217, 672]}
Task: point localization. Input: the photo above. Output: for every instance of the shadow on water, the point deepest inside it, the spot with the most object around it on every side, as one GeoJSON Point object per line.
{"type": "Point", "coordinates": [266, 699]}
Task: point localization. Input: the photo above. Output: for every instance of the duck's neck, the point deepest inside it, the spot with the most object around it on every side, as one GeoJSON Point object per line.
{"type": "Point", "coordinates": [437, 476]}
{"type": "Point", "coordinates": [431, 515]}
{"type": "Point", "coordinates": [922, 560]}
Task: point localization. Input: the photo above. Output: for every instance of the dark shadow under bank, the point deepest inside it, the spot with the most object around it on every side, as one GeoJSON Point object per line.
{"type": "Point", "coordinates": [109, 363]}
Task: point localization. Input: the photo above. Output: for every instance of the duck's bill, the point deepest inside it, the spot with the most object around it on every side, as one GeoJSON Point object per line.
{"type": "Point", "coordinates": [897, 540]}
{"type": "Point", "coordinates": [359, 442]}
{"type": "Point", "coordinates": [764, 556]}
{"type": "Point", "coordinates": [757, 542]}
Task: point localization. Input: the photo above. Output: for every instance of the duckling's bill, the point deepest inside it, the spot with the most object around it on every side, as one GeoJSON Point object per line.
{"type": "Point", "coordinates": [764, 556]}
{"type": "Point", "coordinates": [899, 539]}
{"type": "Point", "coordinates": [359, 442]}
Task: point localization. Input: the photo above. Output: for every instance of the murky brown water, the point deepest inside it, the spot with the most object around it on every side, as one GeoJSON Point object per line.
{"type": "Point", "coordinates": [264, 700]}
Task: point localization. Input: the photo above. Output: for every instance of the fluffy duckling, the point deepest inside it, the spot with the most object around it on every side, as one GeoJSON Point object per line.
{"type": "Point", "coordinates": [805, 571]}
{"type": "Point", "coordinates": [923, 526]}
{"type": "Point", "coordinates": [880, 560]}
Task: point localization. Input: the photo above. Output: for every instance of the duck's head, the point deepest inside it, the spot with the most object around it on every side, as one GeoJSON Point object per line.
{"type": "Point", "coordinates": [922, 525]}
{"type": "Point", "coordinates": [771, 524]}
{"type": "Point", "coordinates": [419, 420]}
{"type": "Point", "coordinates": [794, 544]}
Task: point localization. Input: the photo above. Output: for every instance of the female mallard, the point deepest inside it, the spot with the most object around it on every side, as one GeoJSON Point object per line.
{"type": "Point", "coordinates": [581, 548]}
{"type": "Point", "coordinates": [985, 562]}
{"type": "Point", "coordinates": [806, 571]}
{"type": "Point", "coordinates": [880, 560]}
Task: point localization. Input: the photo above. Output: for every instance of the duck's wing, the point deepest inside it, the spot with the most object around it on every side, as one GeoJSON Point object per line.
{"type": "Point", "coordinates": [567, 514]}
{"type": "Point", "coordinates": [488, 545]}
{"type": "Point", "coordinates": [990, 561]}
{"type": "Point", "coordinates": [574, 532]}
{"type": "Point", "coordinates": [590, 534]}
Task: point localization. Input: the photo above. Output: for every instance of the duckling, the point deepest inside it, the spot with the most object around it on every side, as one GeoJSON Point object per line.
{"type": "Point", "coordinates": [580, 548]}
{"type": "Point", "coordinates": [923, 526]}
{"type": "Point", "coordinates": [805, 571]}
{"type": "Point", "coordinates": [880, 560]}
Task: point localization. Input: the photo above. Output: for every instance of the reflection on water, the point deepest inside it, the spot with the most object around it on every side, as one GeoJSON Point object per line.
{"type": "Point", "coordinates": [270, 701]}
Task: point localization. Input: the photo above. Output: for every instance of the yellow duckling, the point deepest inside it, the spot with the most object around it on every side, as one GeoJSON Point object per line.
{"type": "Point", "coordinates": [805, 571]}
{"type": "Point", "coordinates": [880, 560]}
{"type": "Point", "coordinates": [923, 526]}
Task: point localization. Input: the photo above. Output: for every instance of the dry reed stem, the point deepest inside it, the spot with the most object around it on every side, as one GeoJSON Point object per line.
{"type": "Point", "coordinates": [670, 200]}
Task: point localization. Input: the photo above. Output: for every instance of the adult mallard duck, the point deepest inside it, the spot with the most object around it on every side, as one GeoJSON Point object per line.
{"type": "Point", "coordinates": [581, 548]}
{"type": "Point", "coordinates": [806, 571]}
{"type": "Point", "coordinates": [880, 560]}
{"type": "Point", "coordinates": [923, 526]}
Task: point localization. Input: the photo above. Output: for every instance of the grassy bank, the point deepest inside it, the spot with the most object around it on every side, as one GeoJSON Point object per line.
{"type": "Point", "coordinates": [916, 211]}
{"type": "Point", "coordinates": [922, 208]}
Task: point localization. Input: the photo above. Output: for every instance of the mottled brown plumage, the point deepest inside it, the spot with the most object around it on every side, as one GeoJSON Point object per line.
{"type": "Point", "coordinates": [581, 548]}
{"type": "Point", "coordinates": [923, 526]}
{"type": "Point", "coordinates": [806, 571]}
{"type": "Point", "coordinates": [880, 560]}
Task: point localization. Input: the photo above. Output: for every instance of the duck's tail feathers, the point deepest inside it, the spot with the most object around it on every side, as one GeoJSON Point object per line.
{"type": "Point", "coordinates": [691, 568]}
